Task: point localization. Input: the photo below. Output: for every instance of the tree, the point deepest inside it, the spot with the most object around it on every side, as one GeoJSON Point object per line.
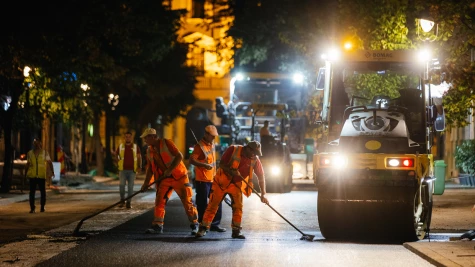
{"type": "Point", "coordinates": [110, 46]}
{"type": "Point", "coordinates": [456, 20]}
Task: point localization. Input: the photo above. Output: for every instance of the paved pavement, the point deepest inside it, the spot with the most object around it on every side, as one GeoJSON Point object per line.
{"type": "Point", "coordinates": [455, 252]}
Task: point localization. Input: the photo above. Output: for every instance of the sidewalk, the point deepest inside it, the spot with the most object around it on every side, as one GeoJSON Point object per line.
{"type": "Point", "coordinates": [97, 186]}
{"type": "Point", "coordinates": [452, 253]}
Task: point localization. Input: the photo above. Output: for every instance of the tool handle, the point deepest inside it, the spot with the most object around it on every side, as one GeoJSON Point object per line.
{"type": "Point", "coordinates": [259, 195]}
{"type": "Point", "coordinates": [76, 230]}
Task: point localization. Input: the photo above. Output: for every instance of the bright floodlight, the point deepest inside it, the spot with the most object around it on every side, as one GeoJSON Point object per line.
{"type": "Point", "coordinates": [426, 25]}
{"type": "Point", "coordinates": [425, 55]}
{"type": "Point", "coordinates": [334, 54]}
{"type": "Point", "coordinates": [298, 78]}
{"type": "Point", "coordinates": [239, 76]}
{"type": "Point", "coordinates": [340, 161]}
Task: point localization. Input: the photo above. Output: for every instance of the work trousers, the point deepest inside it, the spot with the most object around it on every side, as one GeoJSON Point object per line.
{"type": "Point", "coordinates": [216, 197]}
{"type": "Point", "coordinates": [183, 189]}
{"type": "Point", "coordinates": [41, 183]}
{"type": "Point", "coordinates": [203, 190]}
{"type": "Point", "coordinates": [129, 177]}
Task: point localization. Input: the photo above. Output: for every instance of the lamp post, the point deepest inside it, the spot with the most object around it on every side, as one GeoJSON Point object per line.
{"type": "Point", "coordinates": [113, 101]}
{"type": "Point", "coordinates": [84, 168]}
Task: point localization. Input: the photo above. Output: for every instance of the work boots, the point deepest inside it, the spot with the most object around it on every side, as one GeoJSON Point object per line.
{"type": "Point", "coordinates": [202, 231]}
{"type": "Point", "coordinates": [194, 228]}
{"type": "Point", "coordinates": [237, 234]}
{"type": "Point", "coordinates": [155, 229]}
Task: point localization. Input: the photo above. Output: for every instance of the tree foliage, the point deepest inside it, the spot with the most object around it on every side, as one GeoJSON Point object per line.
{"type": "Point", "coordinates": [124, 47]}
{"type": "Point", "coordinates": [283, 34]}
{"type": "Point", "coordinates": [455, 45]}
{"type": "Point", "coordinates": [465, 156]}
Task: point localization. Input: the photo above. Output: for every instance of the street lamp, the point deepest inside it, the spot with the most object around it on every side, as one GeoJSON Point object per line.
{"type": "Point", "coordinates": [113, 101]}
{"type": "Point", "coordinates": [427, 23]}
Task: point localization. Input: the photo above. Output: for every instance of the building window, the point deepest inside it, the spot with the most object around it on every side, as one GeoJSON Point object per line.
{"type": "Point", "coordinates": [198, 9]}
{"type": "Point", "coordinates": [196, 59]}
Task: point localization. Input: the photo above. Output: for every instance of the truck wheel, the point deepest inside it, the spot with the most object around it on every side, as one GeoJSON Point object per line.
{"type": "Point", "coordinates": [327, 212]}
{"type": "Point", "coordinates": [422, 221]}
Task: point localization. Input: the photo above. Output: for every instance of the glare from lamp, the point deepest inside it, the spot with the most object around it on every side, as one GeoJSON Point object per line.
{"type": "Point", "coordinates": [298, 78]}
{"type": "Point", "coordinates": [427, 25]}
{"type": "Point", "coordinates": [348, 45]}
{"type": "Point", "coordinates": [239, 77]}
{"type": "Point", "coordinates": [26, 71]}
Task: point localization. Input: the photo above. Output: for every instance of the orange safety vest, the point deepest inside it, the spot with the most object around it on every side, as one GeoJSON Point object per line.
{"type": "Point", "coordinates": [203, 174]}
{"type": "Point", "coordinates": [167, 159]}
{"type": "Point", "coordinates": [223, 180]}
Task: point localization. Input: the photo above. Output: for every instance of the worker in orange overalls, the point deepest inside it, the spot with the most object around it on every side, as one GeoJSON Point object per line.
{"type": "Point", "coordinates": [237, 163]}
{"type": "Point", "coordinates": [165, 163]}
{"type": "Point", "coordinates": [204, 160]}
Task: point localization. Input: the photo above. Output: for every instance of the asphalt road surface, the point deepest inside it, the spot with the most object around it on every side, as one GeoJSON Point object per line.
{"type": "Point", "coordinates": [270, 241]}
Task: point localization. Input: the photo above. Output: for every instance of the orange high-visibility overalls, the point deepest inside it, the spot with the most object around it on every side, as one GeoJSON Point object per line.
{"type": "Point", "coordinates": [223, 185]}
{"type": "Point", "coordinates": [178, 181]}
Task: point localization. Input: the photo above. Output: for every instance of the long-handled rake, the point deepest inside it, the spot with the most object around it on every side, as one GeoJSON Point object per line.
{"type": "Point", "coordinates": [304, 236]}
{"type": "Point", "coordinates": [78, 226]}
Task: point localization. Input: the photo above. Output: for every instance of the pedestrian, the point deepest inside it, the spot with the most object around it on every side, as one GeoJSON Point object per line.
{"type": "Point", "coordinates": [238, 163]}
{"type": "Point", "coordinates": [129, 162]}
{"type": "Point", "coordinates": [265, 129]}
{"type": "Point", "coordinates": [38, 161]}
{"type": "Point", "coordinates": [203, 158]}
{"type": "Point", "coordinates": [165, 163]}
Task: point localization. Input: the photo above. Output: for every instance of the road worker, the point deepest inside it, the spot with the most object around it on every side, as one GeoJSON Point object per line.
{"type": "Point", "coordinates": [237, 163]}
{"type": "Point", "coordinates": [165, 163]}
{"type": "Point", "coordinates": [204, 159]}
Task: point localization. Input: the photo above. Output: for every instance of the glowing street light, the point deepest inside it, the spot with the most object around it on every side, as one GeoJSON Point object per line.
{"type": "Point", "coordinates": [26, 71]}
{"type": "Point", "coordinates": [426, 25]}
{"type": "Point", "coordinates": [113, 100]}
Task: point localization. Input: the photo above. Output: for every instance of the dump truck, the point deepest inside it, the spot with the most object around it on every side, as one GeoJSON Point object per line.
{"type": "Point", "coordinates": [373, 167]}
{"type": "Point", "coordinates": [278, 98]}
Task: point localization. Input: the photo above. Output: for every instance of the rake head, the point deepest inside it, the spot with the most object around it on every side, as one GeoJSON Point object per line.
{"type": "Point", "coordinates": [307, 237]}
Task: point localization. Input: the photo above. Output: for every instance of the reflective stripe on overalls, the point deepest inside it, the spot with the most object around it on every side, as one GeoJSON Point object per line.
{"type": "Point", "coordinates": [223, 185]}
{"type": "Point", "coordinates": [120, 164]}
{"type": "Point", "coordinates": [180, 183]}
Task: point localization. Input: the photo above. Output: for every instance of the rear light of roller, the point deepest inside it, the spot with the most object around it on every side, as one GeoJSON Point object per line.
{"type": "Point", "coordinates": [400, 162]}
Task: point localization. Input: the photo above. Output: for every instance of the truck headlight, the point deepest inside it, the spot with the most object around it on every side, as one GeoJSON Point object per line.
{"type": "Point", "coordinates": [275, 170]}
{"type": "Point", "coordinates": [334, 161]}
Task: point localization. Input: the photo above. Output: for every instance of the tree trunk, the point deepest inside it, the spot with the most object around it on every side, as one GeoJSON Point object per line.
{"type": "Point", "coordinates": [98, 146]}
{"type": "Point", "coordinates": [8, 162]}
{"type": "Point", "coordinates": [108, 165]}
{"type": "Point", "coordinates": [7, 126]}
